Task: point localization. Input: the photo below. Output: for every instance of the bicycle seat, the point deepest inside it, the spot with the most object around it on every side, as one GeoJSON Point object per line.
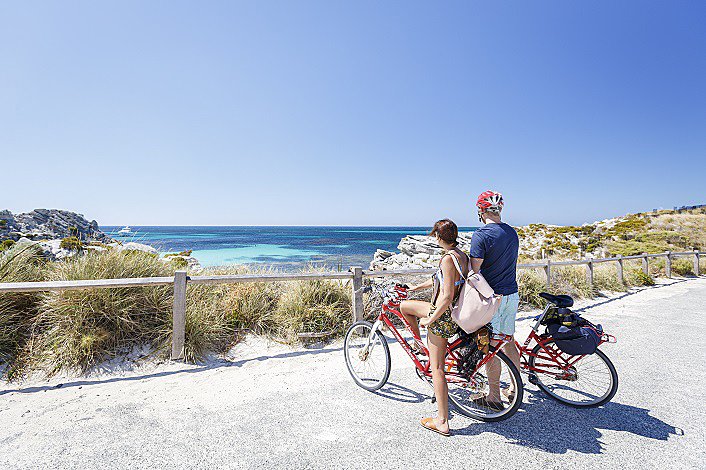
{"type": "Point", "coordinates": [558, 300]}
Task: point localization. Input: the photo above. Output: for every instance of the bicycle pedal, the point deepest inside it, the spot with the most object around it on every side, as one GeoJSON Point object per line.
{"type": "Point", "coordinates": [433, 399]}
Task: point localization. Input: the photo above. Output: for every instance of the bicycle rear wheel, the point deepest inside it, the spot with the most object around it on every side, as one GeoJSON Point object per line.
{"type": "Point", "coordinates": [505, 383]}
{"type": "Point", "coordinates": [592, 381]}
{"type": "Point", "coordinates": [368, 364]}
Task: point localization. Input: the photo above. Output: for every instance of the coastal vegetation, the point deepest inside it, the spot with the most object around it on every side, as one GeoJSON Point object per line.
{"type": "Point", "coordinates": [71, 243]}
{"type": "Point", "coordinates": [52, 331]}
{"type": "Point", "coordinates": [633, 234]}
{"type": "Point", "coordinates": [78, 329]}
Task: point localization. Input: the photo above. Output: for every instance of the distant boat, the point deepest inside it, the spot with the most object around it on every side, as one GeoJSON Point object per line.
{"type": "Point", "coordinates": [125, 230]}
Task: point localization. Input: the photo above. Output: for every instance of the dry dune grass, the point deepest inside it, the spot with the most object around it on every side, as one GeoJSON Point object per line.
{"type": "Point", "coordinates": [78, 329]}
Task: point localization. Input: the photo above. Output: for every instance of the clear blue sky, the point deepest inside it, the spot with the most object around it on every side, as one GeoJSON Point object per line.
{"type": "Point", "coordinates": [351, 113]}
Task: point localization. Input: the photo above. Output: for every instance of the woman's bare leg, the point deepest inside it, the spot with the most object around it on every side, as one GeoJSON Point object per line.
{"type": "Point", "coordinates": [437, 357]}
{"type": "Point", "coordinates": [412, 310]}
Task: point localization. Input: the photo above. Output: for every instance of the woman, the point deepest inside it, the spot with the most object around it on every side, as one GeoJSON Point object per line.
{"type": "Point", "coordinates": [436, 316]}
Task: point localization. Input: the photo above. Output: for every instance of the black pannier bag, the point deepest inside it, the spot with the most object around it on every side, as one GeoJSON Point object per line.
{"type": "Point", "coordinates": [576, 341]}
{"type": "Point", "coordinates": [573, 334]}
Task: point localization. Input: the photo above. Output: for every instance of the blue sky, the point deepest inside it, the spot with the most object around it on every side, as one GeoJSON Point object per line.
{"type": "Point", "coordinates": [351, 113]}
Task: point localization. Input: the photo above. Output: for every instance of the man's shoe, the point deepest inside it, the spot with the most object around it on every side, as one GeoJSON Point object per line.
{"type": "Point", "coordinates": [493, 405]}
{"type": "Point", "coordinates": [510, 394]}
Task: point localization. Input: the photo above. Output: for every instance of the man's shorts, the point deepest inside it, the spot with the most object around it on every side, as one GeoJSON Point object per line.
{"type": "Point", "coordinates": [504, 319]}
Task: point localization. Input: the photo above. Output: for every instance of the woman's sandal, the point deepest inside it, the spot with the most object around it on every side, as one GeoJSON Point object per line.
{"type": "Point", "coordinates": [429, 424]}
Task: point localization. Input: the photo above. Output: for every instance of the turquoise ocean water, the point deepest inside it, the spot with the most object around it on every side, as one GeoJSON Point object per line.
{"type": "Point", "coordinates": [284, 247]}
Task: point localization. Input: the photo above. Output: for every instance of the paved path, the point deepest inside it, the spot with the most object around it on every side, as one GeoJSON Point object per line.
{"type": "Point", "coordinates": [299, 409]}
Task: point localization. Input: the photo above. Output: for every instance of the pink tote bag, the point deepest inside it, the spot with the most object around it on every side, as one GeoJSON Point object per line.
{"type": "Point", "coordinates": [476, 304]}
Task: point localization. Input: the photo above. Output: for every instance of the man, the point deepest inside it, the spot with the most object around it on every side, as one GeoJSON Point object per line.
{"type": "Point", "coordinates": [494, 250]}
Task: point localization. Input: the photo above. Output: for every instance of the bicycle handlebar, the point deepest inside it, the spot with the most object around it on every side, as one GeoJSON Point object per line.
{"type": "Point", "coordinates": [395, 293]}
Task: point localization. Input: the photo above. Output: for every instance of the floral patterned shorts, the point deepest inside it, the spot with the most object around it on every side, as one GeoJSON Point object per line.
{"type": "Point", "coordinates": [444, 326]}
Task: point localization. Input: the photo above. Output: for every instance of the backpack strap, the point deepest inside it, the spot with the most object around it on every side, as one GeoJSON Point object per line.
{"type": "Point", "coordinates": [458, 286]}
{"type": "Point", "coordinates": [458, 267]}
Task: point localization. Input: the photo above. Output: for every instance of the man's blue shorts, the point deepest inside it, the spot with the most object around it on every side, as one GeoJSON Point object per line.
{"type": "Point", "coordinates": [504, 319]}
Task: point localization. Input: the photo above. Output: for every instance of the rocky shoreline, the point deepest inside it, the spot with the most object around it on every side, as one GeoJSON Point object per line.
{"type": "Point", "coordinates": [49, 229]}
{"type": "Point", "coordinates": [415, 252]}
{"type": "Point", "coordinates": [655, 231]}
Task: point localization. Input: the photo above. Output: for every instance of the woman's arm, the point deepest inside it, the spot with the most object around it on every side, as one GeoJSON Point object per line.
{"type": "Point", "coordinates": [424, 285]}
{"type": "Point", "coordinates": [447, 293]}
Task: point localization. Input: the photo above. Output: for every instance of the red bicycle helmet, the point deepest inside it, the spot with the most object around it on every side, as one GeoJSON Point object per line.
{"type": "Point", "coordinates": [490, 201]}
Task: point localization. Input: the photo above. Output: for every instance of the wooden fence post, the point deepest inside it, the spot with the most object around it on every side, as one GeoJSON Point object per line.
{"type": "Point", "coordinates": [358, 308]}
{"type": "Point", "coordinates": [621, 276]}
{"type": "Point", "coordinates": [179, 315]}
{"type": "Point", "coordinates": [668, 265]}
{"type": "Point", "coordinates": [548, 272]}
{"type": "Point", "coordinates": [697, 267]}
{"type": "Point", "coordinates": [645, 264]}
{"type": "Point", "coordinates": [589, 274]}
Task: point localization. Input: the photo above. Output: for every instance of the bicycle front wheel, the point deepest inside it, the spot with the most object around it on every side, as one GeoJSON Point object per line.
{"type": "Point", "coordinates": [589, 382]}
{"type": "Point", "coordinates": [367, 357]}
{"type": "Point", "coordinates": [493, 393]}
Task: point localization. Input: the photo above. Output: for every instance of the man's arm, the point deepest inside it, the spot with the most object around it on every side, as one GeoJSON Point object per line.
{"type": "Point", "coordinates": [476, 264]}
{"type": "Point", "coordinates": [477, 253]}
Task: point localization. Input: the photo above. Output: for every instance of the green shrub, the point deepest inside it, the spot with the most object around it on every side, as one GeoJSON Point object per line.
{"type": "Point", "coordinates": [3, 223]}
{"type": "Point", "coordinates": [181, 253]}
{"type": "Point", "coordinates": [637, 277]}
{"type": "Point", "coordinates": [6, 244]}
{"type": "Point", "coordinates": [179, 263]}
{"type": "Point", "coordinates": [71, 244]}
{"type": "Point", "coordinates": [627, 227]}
{"type": "Point", "coordinates": [683, 267]}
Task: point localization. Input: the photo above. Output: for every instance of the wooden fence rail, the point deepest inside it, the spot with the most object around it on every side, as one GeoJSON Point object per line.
{"type": "Point", "coordinates": [356, 274]}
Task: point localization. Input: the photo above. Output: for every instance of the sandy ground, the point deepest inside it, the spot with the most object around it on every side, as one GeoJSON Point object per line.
{"type": "Point", "coordinates": [270, 406]}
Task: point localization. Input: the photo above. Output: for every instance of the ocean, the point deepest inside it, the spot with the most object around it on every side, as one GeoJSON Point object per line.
{"type": "Point", "coordinates": [282, 247]}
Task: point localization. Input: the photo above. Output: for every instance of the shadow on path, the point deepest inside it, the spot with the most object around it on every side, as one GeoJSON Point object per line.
{"type": "Point", "coordinates": [202, 368]}
{"type": "Point", "coordinates": [395, 392]}
{"type": "Point", "coordinates": [546, 425]}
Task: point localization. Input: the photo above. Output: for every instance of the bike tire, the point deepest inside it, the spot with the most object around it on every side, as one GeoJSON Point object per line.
{"type": "Point", "coordinates": [506, 413]}
{"type": "Point", "coordinates": [366, 384]}
{"type": "Point", "coordinates": [602, 400]}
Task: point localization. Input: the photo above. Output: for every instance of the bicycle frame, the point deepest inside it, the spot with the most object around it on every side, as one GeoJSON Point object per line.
{"type": "Point", "coordinates": [424, 367]}
{"type": "Point", "coordinates": [557, 364]}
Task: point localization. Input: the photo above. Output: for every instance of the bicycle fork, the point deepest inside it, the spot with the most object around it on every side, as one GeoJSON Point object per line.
{"type": "Point", "coordinates": [370, 344]}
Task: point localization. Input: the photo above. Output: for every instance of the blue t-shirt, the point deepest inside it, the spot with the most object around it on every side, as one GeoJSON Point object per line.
{"type": "Point", "coordinates": [498, 246]}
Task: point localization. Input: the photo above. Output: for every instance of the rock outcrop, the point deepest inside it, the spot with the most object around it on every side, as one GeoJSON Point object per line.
{"type": "Point", "coordinates": [49, 224]}
{"type": "Point", "coordinates": [416, 252]}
